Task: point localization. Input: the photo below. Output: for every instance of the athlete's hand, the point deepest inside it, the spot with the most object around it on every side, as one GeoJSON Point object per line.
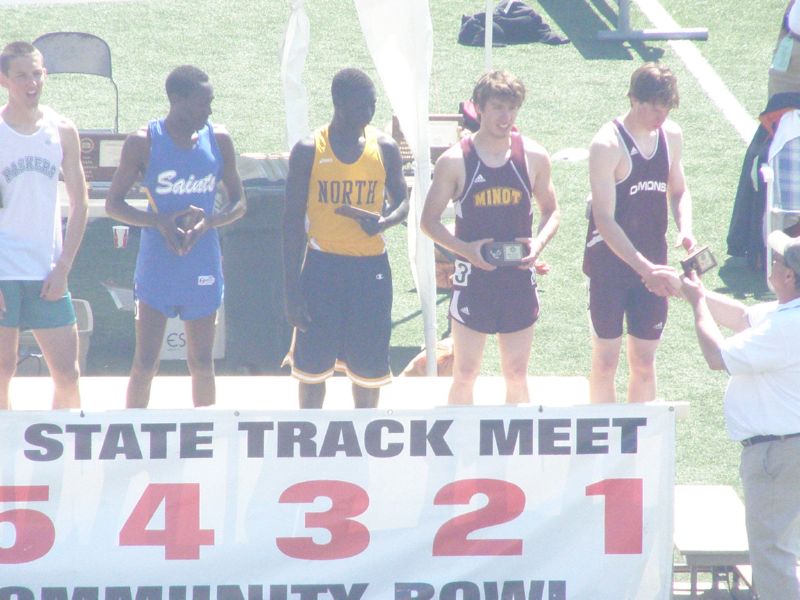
{"type": "Point", "coordinates": [531, 259]}
{"type": "Point", "coordinates": [662, 280]}
{"type": "Point", "coordinates": [297, 311]}
{"type": "Point", "coordinates": [372, 226]}
{"type": "Point", "coordinates": [167, 225]}
{"type": "Point", "coordinates": [55, 284]}
{"type": "Point", "coordinates": [472, 252]}
{"type": "Point", "coordinates": [541, 267]}
{"type": "Point", "coordinates": [686, 240]}
{"type": "Point", "coordinates": [194, 224]}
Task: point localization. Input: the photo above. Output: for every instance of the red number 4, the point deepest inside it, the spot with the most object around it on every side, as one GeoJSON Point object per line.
{"type": "Point", "coordinates": [181, 536]}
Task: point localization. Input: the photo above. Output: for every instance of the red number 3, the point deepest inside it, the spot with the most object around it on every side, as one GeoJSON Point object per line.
{"type": "Point", "coordinates": [348, 537]}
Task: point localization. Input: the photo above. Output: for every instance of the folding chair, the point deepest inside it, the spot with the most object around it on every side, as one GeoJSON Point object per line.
{"type": "Point", "coordinates": [74, 52]}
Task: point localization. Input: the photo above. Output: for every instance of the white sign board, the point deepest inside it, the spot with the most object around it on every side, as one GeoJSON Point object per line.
{"type": "Point", "coordinates": [445, 504]}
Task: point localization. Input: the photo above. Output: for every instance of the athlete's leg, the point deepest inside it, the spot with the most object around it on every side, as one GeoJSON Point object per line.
{"type": "Point", "coordinates": [605, 357]}
{"type": "Point", "coordinates": [364, 397]}
{"type": "Point", "coordinates": [150, 326]}
{"type": "Point", "coordinates": [312, 395]}
{"type": "Point", "coordinates": [642, 364]}
{"type": "Point", "coordinates": [60, 350]}
{"type": "Point", "coordinates": [200, 358]}
{"type": "Point", "coordinates": [9, 339]}
{"type": "Point", "coordinates": [467, 354]}
{"type": "Point", "coordinates": [515, 351]}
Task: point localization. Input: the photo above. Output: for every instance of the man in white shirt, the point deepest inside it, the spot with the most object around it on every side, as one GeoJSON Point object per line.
{"type": "Point", "coordinates": [762, 410]}
{"type": "Point", "coordinates": [36, 144]}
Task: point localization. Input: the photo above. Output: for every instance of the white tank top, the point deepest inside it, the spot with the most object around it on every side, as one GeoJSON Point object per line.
{"type": "Point", "coordinates": [30, 220]}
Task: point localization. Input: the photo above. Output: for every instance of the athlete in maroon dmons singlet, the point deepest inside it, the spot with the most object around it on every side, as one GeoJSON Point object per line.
{"type": "Point", "coordinates": [496, 204]}
{"type": "Point", "coordinates": [641, 211]}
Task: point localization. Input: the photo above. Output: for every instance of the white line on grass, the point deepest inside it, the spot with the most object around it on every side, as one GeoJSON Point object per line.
{"type": "Point", "coordinates": [706, 76]}
{"type": "Point", "coordinates": [21, 3]}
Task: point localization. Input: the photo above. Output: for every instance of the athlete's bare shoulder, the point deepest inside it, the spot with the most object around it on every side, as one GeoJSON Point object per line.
{"type": "Point", "coordinates": [220, 130]}
{"type": "Point", "coordinates": [534, 149]}
{"type": "Point", "coordinates": [607, 136]}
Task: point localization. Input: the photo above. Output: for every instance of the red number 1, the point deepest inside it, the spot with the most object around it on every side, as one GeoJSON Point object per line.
{"type": "Point", "coordinates": [623, 514]}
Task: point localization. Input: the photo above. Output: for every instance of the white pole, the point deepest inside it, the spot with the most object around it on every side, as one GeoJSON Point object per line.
{"type": "Point", "coordinates": [489, 33]}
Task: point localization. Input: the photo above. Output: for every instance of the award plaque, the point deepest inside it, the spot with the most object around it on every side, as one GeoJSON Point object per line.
{"type": "Point", "coordinates": [353, 212]}
{"type": "Point", "coordinates": [503, 254]}
{"type": "Point", "coordinates": [699, 261]}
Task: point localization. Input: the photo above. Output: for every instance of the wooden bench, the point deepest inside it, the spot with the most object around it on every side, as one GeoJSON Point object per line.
{"type": "Point", "coordinates": [710, 533]}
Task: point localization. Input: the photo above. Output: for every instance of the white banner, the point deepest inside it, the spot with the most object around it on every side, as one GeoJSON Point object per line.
{"type": "Point", "coordinates": [399, 35]}
{"type": "Point", "coordinates": [448, 504]}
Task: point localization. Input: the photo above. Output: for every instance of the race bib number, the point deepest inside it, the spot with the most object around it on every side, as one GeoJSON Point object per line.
{"type": "Point", "coordinates": [462, 271]}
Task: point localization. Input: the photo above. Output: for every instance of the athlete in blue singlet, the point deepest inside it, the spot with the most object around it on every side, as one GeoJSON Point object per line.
{"type": "Point", "coordinates": [180, 160]}
{"type": "Point", "coordinates": [492, 177]}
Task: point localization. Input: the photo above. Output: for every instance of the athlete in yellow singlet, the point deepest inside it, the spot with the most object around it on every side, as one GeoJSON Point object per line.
{"type": "Point", "coordinates": [338, 290]}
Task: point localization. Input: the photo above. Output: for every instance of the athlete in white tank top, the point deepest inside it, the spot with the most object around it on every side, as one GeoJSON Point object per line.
{"type": "Point", "coordinates": [29, 169]}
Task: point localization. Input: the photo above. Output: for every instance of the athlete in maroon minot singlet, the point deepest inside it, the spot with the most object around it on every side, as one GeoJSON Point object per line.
{"type": "Point", "coordinates": [641, 212]}
{"type": "Point", "coordinates": [496, 178]}
{"type": "Point", "coordinates": [496, 204]}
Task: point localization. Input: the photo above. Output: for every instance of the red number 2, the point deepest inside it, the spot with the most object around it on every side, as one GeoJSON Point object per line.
{"type": "Point", "coordinates": [506, 502]}
{"type": "Point", "coordinates": [623, 514]}
{"type": "Point", "coordinates": [181, 536]}
{"type": "Point", "coordinates": [34, 531]}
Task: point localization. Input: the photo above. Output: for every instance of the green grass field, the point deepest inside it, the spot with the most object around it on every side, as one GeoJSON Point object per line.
{"type": "Point", "coordinates": [572, 90]}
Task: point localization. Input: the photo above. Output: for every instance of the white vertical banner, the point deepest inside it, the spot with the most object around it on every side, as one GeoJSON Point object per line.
{"type": "Point", "coordinates": [293, 51]}
{"type": "Point", "coordinates": [399, 36]}
{"type": "Point", "coordinates": [488, 36]}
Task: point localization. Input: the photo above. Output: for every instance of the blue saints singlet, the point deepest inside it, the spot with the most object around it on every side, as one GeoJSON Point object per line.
{"type": "Point", "coordinates": [189, 285]}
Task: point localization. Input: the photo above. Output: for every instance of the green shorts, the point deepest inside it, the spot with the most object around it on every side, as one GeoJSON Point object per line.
{"type": "Point", "coordinates": [26, 309]}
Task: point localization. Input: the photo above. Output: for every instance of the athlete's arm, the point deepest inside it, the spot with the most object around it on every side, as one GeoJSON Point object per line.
{"type": "Point", "coordinates": [448, 181]}
{"type": "Point", "coordinates": [680, 200]}
{"type": "Point", "coordinates": [55, 284]}
{"type": "Point", "coordinates": [301, 161]}
{"type": "Point", "coordinates": [233, 209]}
{"type": "Point", "coordinates": [544, 194]}
{"type": "Point", "coordinates": [132, 165]}
{"type": "Point", "coordinates": [605, 155]}
{"type": "Point", "coordinates": [237, 203]}
{"type": "Point", "coordinates": [395, 185]}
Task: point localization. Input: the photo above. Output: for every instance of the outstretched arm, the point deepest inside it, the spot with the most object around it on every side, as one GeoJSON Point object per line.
{"type": "Point", "coordinates": [55, 284]}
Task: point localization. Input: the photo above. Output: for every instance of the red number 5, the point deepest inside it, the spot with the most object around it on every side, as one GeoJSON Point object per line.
{"type": "Point", "coordinates": [34, 531]}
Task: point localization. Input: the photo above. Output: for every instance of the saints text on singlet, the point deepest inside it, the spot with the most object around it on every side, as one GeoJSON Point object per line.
{"type": "Point", "coordinates": [30, 219]}
{"type": "Point", "coordinates": [177, 178]}
{"type": "Point", "coordinates": [334, 183]}
{"type": "Point", "coordinates": [641, 211]}
{"type": "Point", "coordinates": [496, 202]}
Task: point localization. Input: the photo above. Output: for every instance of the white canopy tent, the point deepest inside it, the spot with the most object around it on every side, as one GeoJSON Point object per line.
{"type": "Point", "coordinates": [404, 68]}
